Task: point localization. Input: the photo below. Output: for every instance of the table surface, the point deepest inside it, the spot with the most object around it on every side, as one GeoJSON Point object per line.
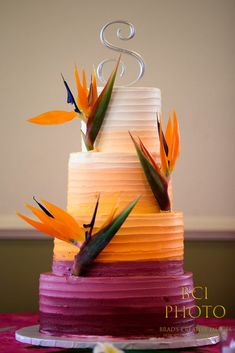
{"type": "Point", "coordinates": [13, 322]}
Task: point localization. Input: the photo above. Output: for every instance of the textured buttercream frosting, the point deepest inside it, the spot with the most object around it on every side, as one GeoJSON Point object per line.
{"type": "Point", "coordinates": [124, 292]}
{"type": "Point", "coordinates": [116, 306]}
{"type": "Point", "coordinates": [143, 237]}
{"type": "Point", "coordinates": [117, 176]}
{"type": "Point", "coordinates": [130, 109]}
{"type": "Point", "coordinates": [123, 268]}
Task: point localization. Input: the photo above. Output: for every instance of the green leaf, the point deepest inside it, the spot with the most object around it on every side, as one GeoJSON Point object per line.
{"type": "Point", "coordinates": [97, 115]}
{"type": "Point", "coordinates": [157, 182]}
{"type": "Point", "coordinates": [91, 248]}
{"type": "Point", "coordinates": [86, 141]}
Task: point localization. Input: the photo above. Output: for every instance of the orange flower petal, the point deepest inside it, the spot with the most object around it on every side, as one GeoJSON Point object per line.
{"type": "Point", "coordinates": [82, 96]}
{"type": "Point", "coordinates": [61, 228]}
{"type": "Point", "coordinates": [38, 213]}
{"type": "Point", "coordinates": [66, 218]}
{"type": "Point", "coordinates": [39, 226]}
{"type": "Point", "coordinates": [94, 87]}
{"type": "Point", "coordinates": [47, 230]}
{"type": "Point", "coordinates": [53, 117]}
{"type": "Point", "coordinates": [168, 134]}
{"type": "Point", "coordinates": [176, 145]}
{"type": "Point", "coordinates": [164, 160]}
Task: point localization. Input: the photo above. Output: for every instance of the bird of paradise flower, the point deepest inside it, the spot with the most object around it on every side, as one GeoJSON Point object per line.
{"type": "Point", "coordinates": [59, 224]}
{"type": "Point", "coordinates": [158, 175]}
{"type": "Point", "coordinates": [88, 105]}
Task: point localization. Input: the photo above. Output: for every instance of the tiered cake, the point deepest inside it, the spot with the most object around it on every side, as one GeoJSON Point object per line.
{"type": "Point", "coordinates": [126, 290]}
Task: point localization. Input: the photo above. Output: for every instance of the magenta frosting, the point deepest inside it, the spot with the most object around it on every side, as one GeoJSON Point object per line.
{"type": "Point", "coordinates": [123, 268]}
{"type": "Point", "coordinates": [131, 306]}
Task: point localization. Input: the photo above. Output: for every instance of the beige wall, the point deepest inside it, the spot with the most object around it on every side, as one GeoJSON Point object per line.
{"type": "Point", "coordinates": [189, 51]}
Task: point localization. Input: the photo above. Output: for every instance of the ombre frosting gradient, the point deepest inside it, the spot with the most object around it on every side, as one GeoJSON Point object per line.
{"type": "Point", "coordinates": [130, 109]}
{"type": "Point", "coordinates": [113, 306]}
{"type": "Point", "coordinates": [124, 292]}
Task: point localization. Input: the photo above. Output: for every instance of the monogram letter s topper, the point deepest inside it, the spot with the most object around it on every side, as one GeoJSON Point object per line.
{"type": "Point", "coordinates": [111, 46]}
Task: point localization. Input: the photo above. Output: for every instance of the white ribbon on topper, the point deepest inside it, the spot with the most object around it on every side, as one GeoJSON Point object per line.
{"type": "Point", "coordinates": [111, 46]}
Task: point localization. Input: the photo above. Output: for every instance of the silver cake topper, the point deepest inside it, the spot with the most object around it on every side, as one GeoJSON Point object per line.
{"type": "Point", "coordinates": [134, 54]}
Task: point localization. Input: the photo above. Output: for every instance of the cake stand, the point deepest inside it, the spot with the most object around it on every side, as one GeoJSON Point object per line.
{"type": "Point", "coordinates": [204, 336]}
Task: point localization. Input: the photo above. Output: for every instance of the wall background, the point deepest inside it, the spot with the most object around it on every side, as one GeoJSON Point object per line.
{"type": "Point", "coordinates": [189, 51]}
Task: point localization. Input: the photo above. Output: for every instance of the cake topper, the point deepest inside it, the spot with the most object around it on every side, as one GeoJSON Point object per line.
{"type": "Point", "coordinates": [111, 46]}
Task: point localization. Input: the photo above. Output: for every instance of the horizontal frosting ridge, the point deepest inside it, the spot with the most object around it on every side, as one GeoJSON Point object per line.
{"type": "Point", "coordinates": [117, 176]}
{"type": "Point", "coordinates": [154, 236]}
{"type": "Point", "coordinates": [130, 109]}
{"type": "Point", "coordinates": [123, 304]}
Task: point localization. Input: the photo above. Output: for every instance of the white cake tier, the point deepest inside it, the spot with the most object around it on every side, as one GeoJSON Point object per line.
{"type": "Point", "coordinates": [117, 177]}
{"type": "Point", "coordinates": [130, 109]}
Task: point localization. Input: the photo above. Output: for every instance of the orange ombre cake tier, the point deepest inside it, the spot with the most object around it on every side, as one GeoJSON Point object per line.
{"type": "Point", "coordinates": [116, 176]}
{"type": "Point", "coordinates": [153, 240]}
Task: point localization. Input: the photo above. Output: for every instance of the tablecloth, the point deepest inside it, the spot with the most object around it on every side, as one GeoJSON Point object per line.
{"type": "Point", "coordinates": [13, 322]}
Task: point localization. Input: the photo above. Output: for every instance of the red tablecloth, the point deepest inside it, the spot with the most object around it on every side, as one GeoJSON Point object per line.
{"type": "Point", "coordinates": [8, 344]}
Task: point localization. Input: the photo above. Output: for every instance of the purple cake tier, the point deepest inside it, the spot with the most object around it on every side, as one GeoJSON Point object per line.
{"type": "Point", "coordinates": [115, 306]}
{"type": "Point", "coordinates": [123, 268]}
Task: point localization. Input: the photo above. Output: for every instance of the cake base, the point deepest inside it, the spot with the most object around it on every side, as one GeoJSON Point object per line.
{"type": "Point", "coordinates": [205, 336]}
{"type": "Point", "coordinates": [116, 306]}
